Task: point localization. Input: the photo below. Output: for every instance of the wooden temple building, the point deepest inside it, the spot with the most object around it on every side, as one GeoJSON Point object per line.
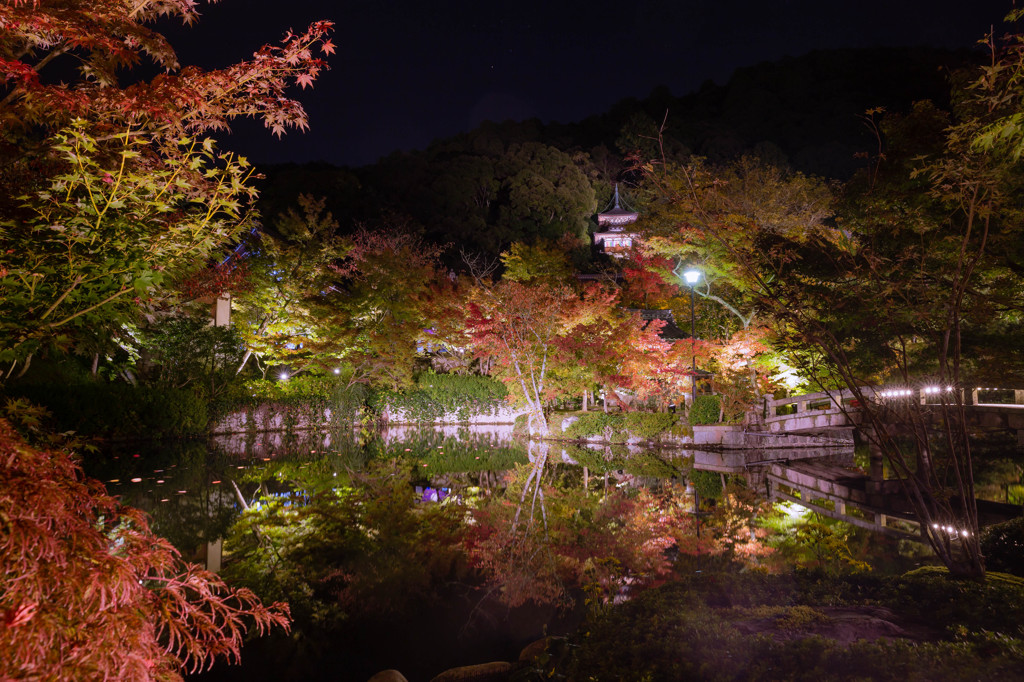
{"type": "Point", "coordinates": [613, 236]}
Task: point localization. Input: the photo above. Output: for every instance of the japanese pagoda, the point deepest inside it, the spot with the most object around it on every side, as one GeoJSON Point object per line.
{"type": "Point", "coordinates": [615, 240]}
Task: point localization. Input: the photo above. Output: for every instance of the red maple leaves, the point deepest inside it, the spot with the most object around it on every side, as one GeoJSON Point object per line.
{"type": "Point", "coordinates": [87, 591]}
{"type": "Point", "coordinates": [108, 35]}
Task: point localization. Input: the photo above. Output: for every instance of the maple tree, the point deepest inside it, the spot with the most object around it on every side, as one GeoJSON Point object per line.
{"type": "Point", "coordinates": [622, 353]}
{"type": "Point", "coordinates": [289, 264]}
{"type": "Point", "coordinates": [109, 187]}
{"type": "Point", "coordinates": [522, 327]}
{"type": "Point", "coordinates": [103, 38]}
{"type": "Point", "coordinates": [101, 236]}
{"type": "Point", "coordinates": [914, 280]}
{"type": "Point", "coordinates": [923, 292]}
{"type": "Point", "coordinates": [383, 310]}
{"type": "Point", "coordinates": [648, 280]}
{"type": "Point", "coordinates": [89, 592]}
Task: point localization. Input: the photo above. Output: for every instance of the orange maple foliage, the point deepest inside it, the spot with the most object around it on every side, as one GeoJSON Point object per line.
{"type": "Point", "coordinates": [88, 591]}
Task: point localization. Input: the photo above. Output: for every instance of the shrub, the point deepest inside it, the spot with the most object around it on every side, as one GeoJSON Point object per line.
{"type": "Point", "coordinates": [1003, 546]}
{"type": "Point", "coordinates": [600, 424]}
{"type": "Point", "coordinates": [438, 395]}
{"type": "Point", "coordinates": [705, 410]}
{"type": "Point", "coordinates": [617, 428]}
{"type": "Point", "coordinates": [649, 425]}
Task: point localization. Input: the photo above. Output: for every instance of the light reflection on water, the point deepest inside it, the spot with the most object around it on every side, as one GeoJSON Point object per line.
{"type": "Point", "coordinates": [191, 489]}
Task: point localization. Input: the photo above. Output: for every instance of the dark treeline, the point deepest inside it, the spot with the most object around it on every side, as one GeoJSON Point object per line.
{"type": "Point", "coordinates": [519, 181]}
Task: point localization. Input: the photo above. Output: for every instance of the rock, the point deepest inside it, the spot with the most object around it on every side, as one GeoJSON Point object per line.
{"type": "Point", "coordinates": [494, 671]}
{"type": "Point", "coordinates": [388, 676]}
{"type": "Point", "coordinates": [532, 650]}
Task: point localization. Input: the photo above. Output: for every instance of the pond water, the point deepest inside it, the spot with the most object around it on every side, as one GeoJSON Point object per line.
{"type": "Point", "coordinates": [422, 528]}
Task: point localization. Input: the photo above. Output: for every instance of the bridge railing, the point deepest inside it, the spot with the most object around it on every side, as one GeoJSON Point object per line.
{"type": "Point", "coordinates": [836, 400]}
{"type": "Point", "coordinates": [826, 401]}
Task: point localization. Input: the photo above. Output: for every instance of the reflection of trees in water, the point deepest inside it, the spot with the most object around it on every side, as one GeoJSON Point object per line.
{"type": "Point", "coordinates": [532, 488]}
{"type": "Point", "coordinates": [339, 529]}
{"type": "Point", "coordinates": [175, 487]}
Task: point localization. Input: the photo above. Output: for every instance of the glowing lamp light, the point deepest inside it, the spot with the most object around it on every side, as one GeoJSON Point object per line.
{"type": "Point", "coordinates": [691, 276]}
{"type": "Point", "coordinates": [284, 376]}
{"type": "Point", "coordinates": [337, 371]}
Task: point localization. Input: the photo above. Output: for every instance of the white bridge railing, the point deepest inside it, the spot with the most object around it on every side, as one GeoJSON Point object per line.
{"type": "Point", "coordinates": [835, 402]}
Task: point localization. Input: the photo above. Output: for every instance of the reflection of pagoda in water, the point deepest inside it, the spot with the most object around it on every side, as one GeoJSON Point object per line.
{"type": "Point", "coordinates": [615, 240]}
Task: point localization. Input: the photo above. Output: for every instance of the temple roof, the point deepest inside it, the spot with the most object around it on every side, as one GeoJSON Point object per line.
{"type": "Point", "coordinates": [616, 216]}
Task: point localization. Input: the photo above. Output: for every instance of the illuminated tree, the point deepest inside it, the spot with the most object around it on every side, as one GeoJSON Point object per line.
{"type": "Point", "coordinates": [289, 263]}
{"type": "Point", "coordinates": [112, 191]}
{"type": "Point", "coordinates": [378, 315]}
{"type": "Point", "coordinates": [89, 592]}
{"type": "Point", "coordinates": [523, 327]}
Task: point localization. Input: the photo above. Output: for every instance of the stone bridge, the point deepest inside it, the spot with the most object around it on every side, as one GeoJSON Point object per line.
{"type": "Point", "coordinates": [840, 411]}
{"type": "Point", "coordinates": [829, 483]}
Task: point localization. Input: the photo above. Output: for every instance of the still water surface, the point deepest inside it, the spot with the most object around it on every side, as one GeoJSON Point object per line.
{"type": "Point", "coordinates": [195, 491]}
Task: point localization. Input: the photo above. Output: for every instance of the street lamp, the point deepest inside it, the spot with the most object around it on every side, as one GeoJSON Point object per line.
{"type": "Point", "coordinates": [692, 276]}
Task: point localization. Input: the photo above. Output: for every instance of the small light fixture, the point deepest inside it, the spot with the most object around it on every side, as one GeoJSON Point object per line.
{"type": "Point", "coordinates": [691, 276]}
{"type": "Point", "coordinates": [337, 371]}
{"type": "Point", "coordinates": [284, 376]}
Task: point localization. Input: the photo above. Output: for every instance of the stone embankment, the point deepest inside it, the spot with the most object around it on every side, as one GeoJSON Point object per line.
{"type": "Point", "coordinates": [269, 417]}
{"type": "Point", "coordinates": [275, 422]}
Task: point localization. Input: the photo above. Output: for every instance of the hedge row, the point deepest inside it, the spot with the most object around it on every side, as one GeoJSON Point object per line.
{"type": "Point", "coordinates": [439, 395]}
{"type": "Point", "coordinates": [618, 427]}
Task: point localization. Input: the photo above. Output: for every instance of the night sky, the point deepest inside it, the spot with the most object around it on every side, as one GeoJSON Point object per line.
{"type": "Point", "coordinates": [405, 74]}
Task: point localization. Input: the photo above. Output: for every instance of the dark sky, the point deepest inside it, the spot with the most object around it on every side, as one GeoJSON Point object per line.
{"type": "Point", "coordinates": [405, 74]}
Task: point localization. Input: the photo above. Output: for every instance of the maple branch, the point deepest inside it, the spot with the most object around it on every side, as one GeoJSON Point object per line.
{"type": "Point", "coordinates": [105, 301]}
{"type": "Point", "coordinates": [78, 279]}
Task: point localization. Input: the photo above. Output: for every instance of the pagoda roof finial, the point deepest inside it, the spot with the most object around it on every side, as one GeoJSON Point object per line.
{"type": "Point", "coordinates": [616, 216]}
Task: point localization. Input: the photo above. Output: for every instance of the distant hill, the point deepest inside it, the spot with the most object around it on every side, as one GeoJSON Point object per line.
{"type": "Point", "coordinates": [482, 188]}
{"type": "Point", "coordinates": [807, 107]}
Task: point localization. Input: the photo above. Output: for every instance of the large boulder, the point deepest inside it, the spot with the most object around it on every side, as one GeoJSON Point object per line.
{"type": "Point", "coordinates": [388, 676]}
{"type": "Point", "coordinates": [495, 671]}
{"type": "Point", "coordinates": [545, 645]}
